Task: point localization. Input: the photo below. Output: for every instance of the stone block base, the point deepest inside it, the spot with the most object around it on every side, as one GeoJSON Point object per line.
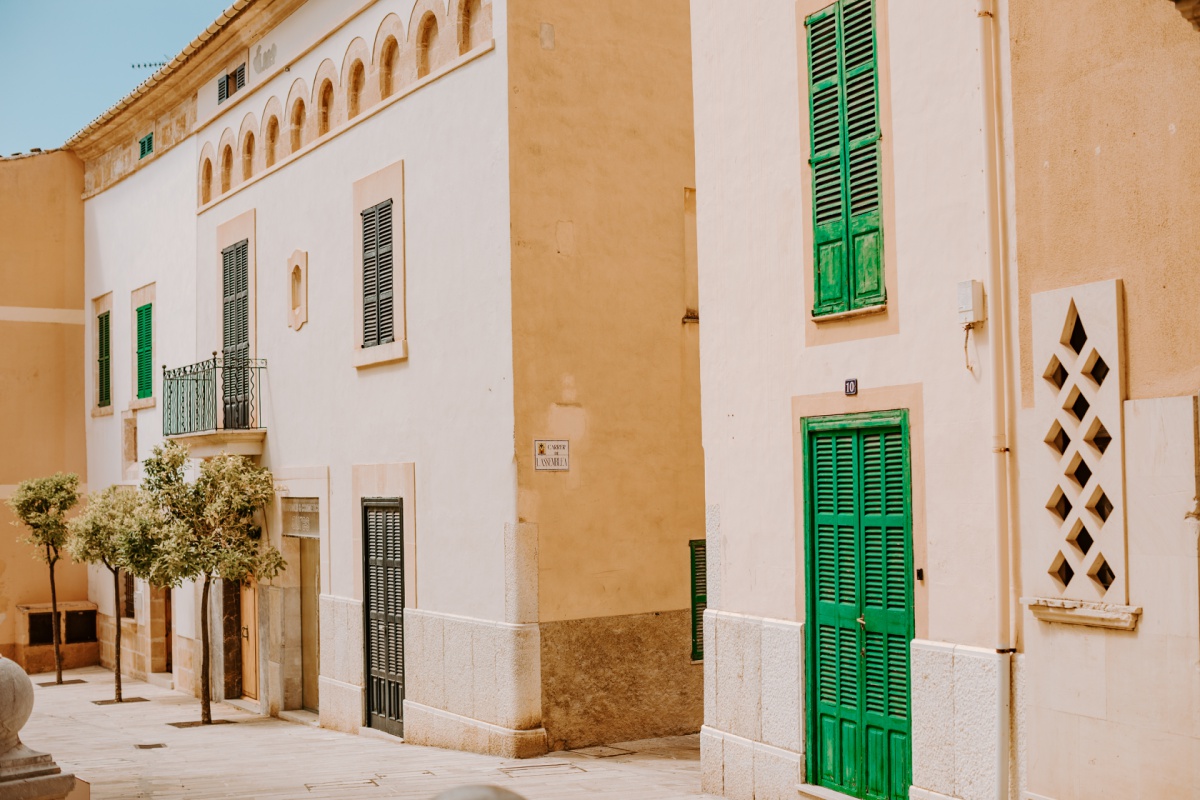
{"type": "Point", "coordinates": [747, 770]}
{"type": "Point", "coordinates": [341, 705]}
{"type": "Point", "coordinates": [437, 728]}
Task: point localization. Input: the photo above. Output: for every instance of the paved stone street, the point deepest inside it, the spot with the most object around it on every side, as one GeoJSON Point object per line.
{"type": "Point", "coordinates": [261, 757]}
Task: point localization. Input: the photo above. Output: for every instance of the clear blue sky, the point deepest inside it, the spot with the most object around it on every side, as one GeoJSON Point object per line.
{"type": "Point", "coordinates": [67, 61]}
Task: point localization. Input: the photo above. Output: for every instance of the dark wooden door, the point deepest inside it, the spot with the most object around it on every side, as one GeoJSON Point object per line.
{"type": "Point", "coordinates": [383, 609]}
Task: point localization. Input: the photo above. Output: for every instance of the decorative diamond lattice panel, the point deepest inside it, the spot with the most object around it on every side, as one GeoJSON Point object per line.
{"type": "Point", "coordinates": [1077, 544]}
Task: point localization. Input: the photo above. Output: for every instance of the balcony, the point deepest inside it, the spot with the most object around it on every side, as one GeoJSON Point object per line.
{"type": "Point", "coordinates": [215, 406]}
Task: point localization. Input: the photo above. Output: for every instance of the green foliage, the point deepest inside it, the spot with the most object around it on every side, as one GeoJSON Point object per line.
{"type": "Point", "coordinates": [118, 528]}
{"type": "Point", "coordinates": [207, 526]}
{"type": "Point", "coordinates": [42, 505]}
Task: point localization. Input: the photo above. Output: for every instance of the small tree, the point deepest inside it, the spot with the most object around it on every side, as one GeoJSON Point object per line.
{"type": "Point", "coordinates": [208, 530]}
{"type": "Point", "coordinates": [117, 529]}
{"type": "Point", "coordinates": [41, 504]}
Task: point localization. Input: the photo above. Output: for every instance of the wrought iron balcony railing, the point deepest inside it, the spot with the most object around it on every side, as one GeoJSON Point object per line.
{"type": "Point", "coordinates": [221, 393]}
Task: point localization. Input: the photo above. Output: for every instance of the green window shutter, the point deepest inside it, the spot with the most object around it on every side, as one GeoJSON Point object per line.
{"type": "Point", "coordinates": [146, 145]}
{"type": "Point", "coordinates": [843, 113]}
{"type": "Point", "coordinates": [222, 88]}
{"type": "Point", "coordinates": [239, 76]}
{"type": "Point", "coordinates": [235, 282]}
{"type": "Point", "coordinates": [145, 352]}
{"type": "Point", "coordinates": [370, 276]}
{"type": "Point", "coordinates": [699, 548]}
{"type": "Point", "coordinates": [104, 359]}
{"type": "Point", "coordinates": [385, 273]}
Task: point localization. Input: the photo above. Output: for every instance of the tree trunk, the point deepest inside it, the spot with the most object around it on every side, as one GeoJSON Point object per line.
{"type": "Point", "coordinates": [50, 559]}
{"type": "Point", "coordinates": [205, 681]}
{"type": "Point", "coordinates": [117, 636]}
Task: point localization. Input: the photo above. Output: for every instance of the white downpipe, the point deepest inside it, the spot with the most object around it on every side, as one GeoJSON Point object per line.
{"type": "Point", "coordinates": [997, 289]}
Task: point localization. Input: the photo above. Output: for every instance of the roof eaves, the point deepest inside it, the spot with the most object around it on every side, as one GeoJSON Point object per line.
{"type": "Point", "coordinates": [227, 16]}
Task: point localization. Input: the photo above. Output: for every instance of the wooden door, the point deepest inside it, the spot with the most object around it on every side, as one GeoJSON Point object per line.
{"type": "Point", "coordinates": [859, 558]}
{"type": "Point", "coordinates": [383, 607]}
{"type": "Point", "coordinates": [250, 640]}
{"type": "Point", "coordinates": [310, 647]}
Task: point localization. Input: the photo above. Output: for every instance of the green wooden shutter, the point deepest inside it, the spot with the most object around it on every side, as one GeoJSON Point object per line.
{"type": "Point", "coordinates": [844, 126]}
{"type": "Point", "coordinates": [385, 273]}
{"type": "Point", "coordinates": [145, 352]}
{"type": "Point", "coordinates": [239, 76]}
{"type": "Point", "coordinates": [699, 548]}
{"type": "Point", "coordinates": [222, 88]}
{"type": "Point", "coordinates": [886, 634]}
{"type": "Point", "coordinates": [834, 514]}
{"type": "Point", "coordinates": [370, 274]}
{"type": "Point", "coordinates": [104, 359]}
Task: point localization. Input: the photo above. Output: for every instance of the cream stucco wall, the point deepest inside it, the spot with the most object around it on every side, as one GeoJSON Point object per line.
{"type": "Point", "coordinates": [765, 363]}
{"type": "Point", "coordinates": [42, 328]}
{"type": "Point", "coordinates": [601, 122]}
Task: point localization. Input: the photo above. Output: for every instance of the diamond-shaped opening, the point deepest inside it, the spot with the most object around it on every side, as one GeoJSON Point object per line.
{"type": "Point", "coordinates": [1061, 570]}
{"type": "Point", "coordinates": [1074, 336]}
{"type": "Point", "coordinates": [1101, 506]}
{"type": "Point", "coordinates": [1056, 373]}
{"type": "Point", "coordinates": [1081, 538]}
{"type": "Point", "coordinates": [1079, 471]}
{"type": "Point", "coordinates": [1096, 368]}
{"type": "Point", "coordinates": [1077, 404]}
{"type": "Point", "coordinates": [1098, 436]}
{"type": "Point", "coordinates": [1058, 438]}
{"type": "Point", "coordinates": [1059, 504]}
{"type": "Point", "coordinates": [1102, 573]}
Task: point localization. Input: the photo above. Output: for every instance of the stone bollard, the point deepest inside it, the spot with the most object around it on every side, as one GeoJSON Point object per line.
{"type": "Point", "coordinates": [24, 774]}
{"type": "Point", "coordinates": [478, 793]}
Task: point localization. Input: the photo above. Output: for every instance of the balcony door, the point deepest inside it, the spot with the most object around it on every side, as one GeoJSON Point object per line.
{"type": "Point", "coordinates": [235, 391]}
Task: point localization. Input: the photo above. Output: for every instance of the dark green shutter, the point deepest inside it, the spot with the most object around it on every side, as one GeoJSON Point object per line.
{"type": "Point", "coordinates": [146, 145]}
{"type": "Point", "coordinates": [222, 88]}
{"type": "Point", "coordinates": [699, 548]}
{"type": "Point", "coordinates": [370, 274]}
{"type": "Point", "coordinates": [239, 77]}
{"type": "Point", "coordinates": [384, 269]}
{"type": "Point", "coordinates": [861, 606]}
{"type": "Point", "coordinates": [235, 335]}
{"type": "Point", "coordinates": [145, 352]}
{"type": "Point", "coordinates": [104, 359]}
{"type": "Point", "coordinates": [844, 123]}
{"type": "Point", "coordinates": [383, 607]}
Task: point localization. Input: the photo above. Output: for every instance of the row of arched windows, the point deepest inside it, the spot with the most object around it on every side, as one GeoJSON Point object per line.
{"type": "Point", "coordinates": [368, 77]}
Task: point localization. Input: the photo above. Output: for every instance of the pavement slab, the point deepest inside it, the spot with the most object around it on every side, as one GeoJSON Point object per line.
{"type": "Point", "coordinates": [131, 751]}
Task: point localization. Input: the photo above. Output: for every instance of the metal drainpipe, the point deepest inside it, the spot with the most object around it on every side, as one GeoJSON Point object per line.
{"type": "Point", "coordinates": [997, 285]}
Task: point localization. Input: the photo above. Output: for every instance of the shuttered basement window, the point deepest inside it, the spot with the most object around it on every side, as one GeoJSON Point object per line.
{"type": "Point", "coordinates": [378, 275]}
{"type": "Point", "coordinates": [104, 359]}
{"type": "Point", "coordinates": [699, 595]}
{"type": "Point", "coordinates": [146, 145]}
{"type": "Point", "coordinates": [844, 122]}
{"type": "Point", "coordinates": [145, 352]}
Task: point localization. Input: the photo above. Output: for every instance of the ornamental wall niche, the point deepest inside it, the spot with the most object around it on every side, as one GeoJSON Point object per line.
{"type": "Point", "coordinates": [1076, 541]}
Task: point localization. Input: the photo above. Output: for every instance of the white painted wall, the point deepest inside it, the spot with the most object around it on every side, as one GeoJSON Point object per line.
{"type": "Point", "coordinates": [448, 408]}
{"type": "Point", "coordinates": [755, 297]}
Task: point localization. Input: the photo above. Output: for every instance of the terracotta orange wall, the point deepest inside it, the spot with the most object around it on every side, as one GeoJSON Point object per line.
{"type": "Point", "coordinates": [42, 403]}
{"type": "Point", "coordinates": [1105, 121]}
{"type": "Point", "coordinates": [601, 126]}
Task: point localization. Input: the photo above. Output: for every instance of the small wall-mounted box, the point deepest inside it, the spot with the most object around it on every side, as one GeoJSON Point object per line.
{"type": "Point", "coordinates": [971, 308]}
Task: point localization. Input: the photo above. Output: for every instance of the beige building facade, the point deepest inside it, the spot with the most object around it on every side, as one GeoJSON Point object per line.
{"type": "Point", "coordinates": [948, 409]}
{"type": "Point", "coordinates": [41, 396]}
{"type": "Point", "coordinates": [408, 256]}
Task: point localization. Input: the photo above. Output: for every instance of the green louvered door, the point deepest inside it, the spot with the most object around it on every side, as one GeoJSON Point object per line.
{"type": "Point", "coordinates": [859, 604]}
{"type": "Point", "coordinates": [844, 126]}
{"type": "Point", "coordinates": [235, 372]}
{"type": "Point", "coordinates": [383, 606]}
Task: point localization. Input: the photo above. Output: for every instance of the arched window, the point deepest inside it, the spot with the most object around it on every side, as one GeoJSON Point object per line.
{"type": "Point", "coordinates": [358, 77]}
{"type": "Point", "coordinates": [387, 67]}
{"type": "Point", "coordinates": [426, 43]}
{"type": "Point", "coordinates": [206, 181]}
{"type": "Point", "coordinates": [226, 168]}
{"type": "Point", "coordinates": [298, 118]}
{"type": "Point", "coordinates": [272, 140]}
{"type": "Point", "coordinates": [324, 108]}
{"type": "Point", "coordinates": [248, 157]}
{"type": "Point", "coordinates": [470, 23]}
